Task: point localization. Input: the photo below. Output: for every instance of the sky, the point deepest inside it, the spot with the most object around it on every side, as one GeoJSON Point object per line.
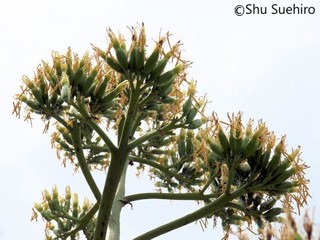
{"type": "Point", "coordinates": [264, 65]}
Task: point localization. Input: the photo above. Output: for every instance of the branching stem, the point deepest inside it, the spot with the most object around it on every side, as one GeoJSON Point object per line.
{"type": "Point", "coordinates": [170, 196]}
{"type": "Point", "coordinates": [194, 216]}
{"type": "Point", "coordinates": [77, 143]}
{"type": "Point", "coordinates": [152, 134]}
{"type": "Point", "coordinates": [157, 166]}
{"type": "Point", "coordinates": [119, 160]}
{"type": "Point", "coordinates": [94, 126]}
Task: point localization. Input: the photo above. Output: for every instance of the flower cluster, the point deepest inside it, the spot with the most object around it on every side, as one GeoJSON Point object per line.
{"type": "Point", "coordinates": [217, 160]}
{"type": "Point", "coordinates": [254, 159]}
{"type": "Point", "coordinates": [74, 88]}
{"type": "Point", "coordinates": [64, 215]}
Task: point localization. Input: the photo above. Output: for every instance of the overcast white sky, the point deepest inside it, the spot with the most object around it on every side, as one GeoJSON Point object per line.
{"type": "Point", "coordinates": [266, 66]}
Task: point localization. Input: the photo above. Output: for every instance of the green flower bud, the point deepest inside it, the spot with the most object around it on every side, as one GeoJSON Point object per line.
{"type": "Point", "coordinates": [115, 92]}
{"type": "Point", "coordinates": [38, 207]}
{"type": "Point", "coordinates": [151, 61]}
{"type": "Point", "coordinates": [195, 124]}
{"type": "Point", "coordinates": [245, 167]}
{"type": "Point", "coordinates": [55, 193]}
{"type": "Point", "coordinates": [57, 63]}
{"type": "Point", "coordinates": [139, 57]}
{"type": "Point", "coordinates": [273, 212]}
{"type": "Point", "coordinates": [113, 63]}
{"type": "Point", "coordinates": [75, 200]}
{"type": "Point", "coordinates": [65, 80]}
{"type": "Point", "coordinates": [191, 115]}
{"type": "Point", "coordinates": [267, 204]}
{"type": "Point", "coordinates": [86, 205]}
{"type": "Point", "coordinates": [224, 141]}
{"type": "Point", "coordinates": [252, 145]}
{"type": "Point", "coordinates": [65, 93]}
{"type": "Point", "coordinates": [61, 225]}
{"type": "Point", "coordinates": [35, 91]}
{"type": "Point", "coordinates": [216, 148]}
{"type": "Point", "coordinates": [160, 66]}
{"type": "Point", "coordinates": [122, 59]}
{"type": "Point", "coordinates": [33, 105]}
{"type": "Point", "coordinates": [68, 192]}
{"type": "Point", "coordinates": [100, 90]}
{"type": "Point", "coordinates": [89, 82]}
{"type": "Point", "coordinates": [186, 107]}
{"type": "Point", "coordinates": [47, 215]}
{"type": "Point", "coordinates": [46, 195]}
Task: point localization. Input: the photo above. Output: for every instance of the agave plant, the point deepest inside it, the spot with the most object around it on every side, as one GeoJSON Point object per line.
{"type": "Point", "coordinates": [123, 106]}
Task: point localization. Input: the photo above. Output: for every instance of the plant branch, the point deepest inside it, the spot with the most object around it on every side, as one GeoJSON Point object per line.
{"type": "Point", "coordinates": [216, 205]}
{"type": "Point", "coordinates": [115, 171]}
{"type": "Point", "coordinates": [77, 143]}
{"type": "Point", "coordinates": [157, 166]}
{"type": "Point", "coordinates": [243, 209]}
{"type": "Point", "coordinates": [208, 183]}
{"type": "Point", "coordinates": [152, 134]}
{"type": "Point", "coordinates": [119, 160]}
{"type": "Point", "coordinates": [129, 120]}
{"type": "Point", "coordinates": [230, 178]}
{"type": "Point", "coordinates": [96, 148]}
{"type": "Point", "coordinates": [169, 196]}
{"type": "Point", "coordinates": [88, 119]}
{"type": "Point", "coordinates": [61, 121]}
{"type": "Point", "coordinates": [180, 162]}
{"type": "Point", "coordinates": [113, 231]}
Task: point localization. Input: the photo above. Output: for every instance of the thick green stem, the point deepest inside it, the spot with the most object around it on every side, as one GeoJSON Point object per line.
{"type": "Point", "coordinates": [119, 160]}
{"type": "Point", "coordinates": [115, 172]}
{"type": "Point", "coordinates": [170, 196]}
{"type": "Point", "coordinates": [216, 205]}
{"type": "Point", "coordinates": [113, 231]}
{"type": "Point", "coordinates": [128, 124]}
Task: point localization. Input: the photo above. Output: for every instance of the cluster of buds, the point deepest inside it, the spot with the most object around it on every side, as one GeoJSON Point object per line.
{"type": "Point", "coordinates": [54, 86]}
{"type": "Point", "coordinates": [134, 64]}
{"type": "Point", "coordinates": [250, 155]}
{"type": "Point", "coordinates": [105, 82]}
{"type": "Point", "coordinates": [156, 76]}
{"type": "Point", "coordinates": [218, 161]}
{"type": "Point", "coordinates": [253, 158]}
{"type": "Point", "coordinates": [182, 156]}
{"type": "Point", "coordinates": [64, 214]}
